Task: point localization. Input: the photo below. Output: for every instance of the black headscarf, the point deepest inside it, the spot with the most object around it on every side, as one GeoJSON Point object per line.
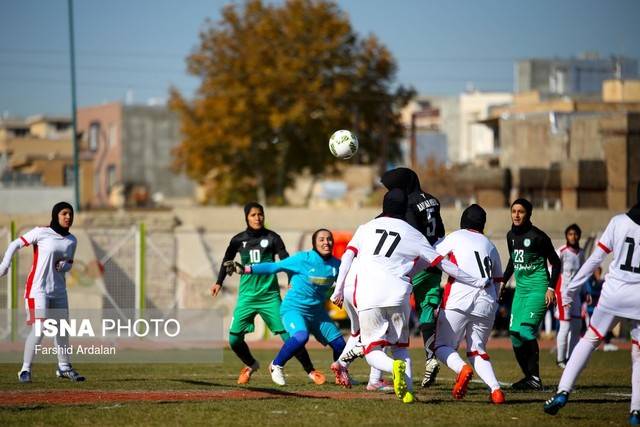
{"type": "Point", "coordinates": [252, 231]}
{"type": "Point", "coordinates": [474, 218]}
{"type": "Point", "coordinates": [55, 225]}
{"type": "Point", "coordinates": [313, 242]}
{"type": "Point", "coordinates": [403, 178]}
{"type": "Point", "coordinates": [395, 203]}
{"type": "Point", "coordinates": [634, 212]}
{"type": "Point", "coordinates": [578, 230]}
{"type": "Point", "coordinates": [526, 223]}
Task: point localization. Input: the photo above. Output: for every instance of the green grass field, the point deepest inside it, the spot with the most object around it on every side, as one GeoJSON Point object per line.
{"type": "Point", "coordinates": [602, 396]}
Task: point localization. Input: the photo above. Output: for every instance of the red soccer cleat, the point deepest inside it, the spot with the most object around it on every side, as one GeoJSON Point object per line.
{"type": "Point", "coordinates": [462, 382]}
{"type": "Point", "coordinates": [497, 397]}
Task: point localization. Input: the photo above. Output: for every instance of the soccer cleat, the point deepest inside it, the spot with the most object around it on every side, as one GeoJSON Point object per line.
{"type": "Point", "coordinates": [317, 377]}
{"type": "Point", "coordinates": [381, 385]}
{"type": "Point", "coordinates": [342, 374]}
{"type": "Point", "coordinates": [497, 397]}
{"type": "Point", "coordinates": [634, 418]}
{"type": "Point", "coordinates": [24, 376]}
{"type": "Point", "coordinates": [462, 382]}
{"type": "Point", "coordinates": [399, 382]}
{"type": "Point", "coordinates": [70, 374]}
{"type": "Point", "coordinates": [246, 372]}
{"type": "Point", "coordinates": [351, 355]}
{"type": "Point", "coordinates": [561, 364]}
{"type": "Point", "coordinates": [431, 369]}
{"type": "Point", "coordinates": [277, 374]}
{"type": "Point", "coordinates": [408, 397]}
{"type": "Point", "coordinates": [528, 384]}
{"type": "Point", "coordinates": [553, 405]}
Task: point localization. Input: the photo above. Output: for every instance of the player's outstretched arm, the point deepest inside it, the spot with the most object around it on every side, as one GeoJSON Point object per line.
{"type": "Point", "coordinates": [345, 265]}
{"type": "Point", "coordinates": [8, 255]}
{"type": "Point", "coordinates": [585, 272]}
{"type": "Point", "coordinates": [290, 265]}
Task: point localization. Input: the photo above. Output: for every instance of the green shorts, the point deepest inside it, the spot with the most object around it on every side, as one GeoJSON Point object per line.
{"type": "Point", "coordinates": [268, 307]}
{"type": "Point", "coordinates": [428, 294]}
{"type": "Point", "coordinates": [527, 311]}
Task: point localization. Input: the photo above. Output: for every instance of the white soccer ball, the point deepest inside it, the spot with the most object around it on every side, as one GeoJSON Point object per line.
{"type": "Point", "coordinates": [343, 144]}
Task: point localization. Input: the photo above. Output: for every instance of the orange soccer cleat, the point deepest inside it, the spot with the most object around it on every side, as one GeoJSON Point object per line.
{"type": "Point", "coordinates": [246, 372]}
{"type": "Point", "coordinates": [497, 397]}
{"type": "Point", "coordinates": [317, 377]}
{"type": "Point", "coordinates": [462, 382]}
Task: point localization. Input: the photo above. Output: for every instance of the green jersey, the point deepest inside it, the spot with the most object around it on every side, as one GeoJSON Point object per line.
{"type": "Point", "coordinates": [255, 247]}
{"type": "Point", "coordinates": [529, 251]}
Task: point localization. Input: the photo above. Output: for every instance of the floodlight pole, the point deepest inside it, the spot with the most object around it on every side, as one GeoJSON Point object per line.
{"type": "Point", "coordinates": [74, 124]}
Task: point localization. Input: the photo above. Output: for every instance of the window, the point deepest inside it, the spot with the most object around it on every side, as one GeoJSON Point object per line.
{"type": "Point", "coordinates": [69, 177]}
{"type": "Point", "coordinates": [113, 135]}
{"type": "Point", "coordinates": [94, 135]}
{"type": "Point", "coordinates": [111, 177]}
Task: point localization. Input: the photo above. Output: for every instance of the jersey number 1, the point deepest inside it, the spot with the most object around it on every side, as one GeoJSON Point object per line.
{"type": "Point", "coordinates": [393, 246]}
{"type": "Point", "coordinates": [627, 263]}
{"type": "Point", "coordinates": [484, 265]}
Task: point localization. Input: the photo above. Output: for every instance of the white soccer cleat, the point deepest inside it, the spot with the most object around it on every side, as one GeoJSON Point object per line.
{"type": "Point", "coordinates": [277, 374]}
{"type": "Point", "coordinates": [351, 355]}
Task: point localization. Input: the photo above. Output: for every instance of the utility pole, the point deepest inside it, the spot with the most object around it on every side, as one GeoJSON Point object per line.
{"type": "Point", "coordinates": [74, 124]}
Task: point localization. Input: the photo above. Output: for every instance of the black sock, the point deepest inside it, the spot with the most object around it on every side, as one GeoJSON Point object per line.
{"type": "Point", "coordinates": [521, 357]}
{"type": "Point", "coordinates": [305, 360]}
{"type": "Point", "coordinates": [241, 349]}
{"type": "Point", "coordinates": [533, 358]}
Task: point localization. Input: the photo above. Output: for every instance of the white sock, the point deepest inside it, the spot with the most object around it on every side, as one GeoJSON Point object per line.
{"type": "Point", "coordinates": [375, 376]}
{"type": "Point", "coordinates": [450, 357]}
{"type": "Point", "coordinates": [401, 353]}
{"type": "Point", "coordinates": [379, 360]}
{"type": "Point", "coordinates": [62, 344]}
{"type": "Point", "coordinates": [635, 377]}
{"type": "Point", "coordinates": [574, 335]}
{"type": "Point", "coordinates": [578, 361]}
{"type": "Point", "coordinates": [30, 349]}
{"type": "Point", "coordinates": [485, 371]}
{"type": "Point", "coordinates": [548, 322]}
{"type": "Point", "coordinates": [562, 339]}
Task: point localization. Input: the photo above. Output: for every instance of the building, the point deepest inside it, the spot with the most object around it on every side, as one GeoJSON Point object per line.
{"type": "Point", "coordinates": [574, 76]}
{"type": "Point", "coordinates": [36, 164]}
{"type": "Point", "coordinates": [572, 153]}
{"type": "Point", "coordinates": [131, 148]}
{"type": "Point", "coordinates": [447, 128]}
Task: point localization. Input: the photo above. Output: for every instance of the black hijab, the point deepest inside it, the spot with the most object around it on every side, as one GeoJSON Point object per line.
{"type": "Point", "coordinates": [402, 178]}
{"type": "Point", "coordinates": [313, 242]}
{"type": "Point", "coordinates": [526, 223]}
{"type": "Point", "coordinates": [474, 218]}
{"type": "Point", "coordinates": [394, 204]}
{"type": "Point", "coordinates": [634, 212]}
{"type": "Point", "coordinates": [55, 225]}
{"type": "Point", "coordinates": [252, 231]}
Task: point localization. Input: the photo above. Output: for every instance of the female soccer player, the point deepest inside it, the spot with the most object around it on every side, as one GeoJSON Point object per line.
{"type": "Point", "coordinates": [620, 299]}
{"type": "Point", "coordinates": [529, 251]}
{"type": "Point", "coordinates": [312, 275]}
{"type": "Point", "coordinates": [257, 294]}
{"type": "Point", "coordinates": [46, 289]}
{"type": "Point", "coordinates": [572, 258]}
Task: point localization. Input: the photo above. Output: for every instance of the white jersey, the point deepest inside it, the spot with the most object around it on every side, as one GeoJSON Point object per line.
{"type": "Point", "coordinates": [49, 248]}
{"type": "Point", "coordinates": [386, 249]}
{"type": "Point", "coordinates": [621, 290]}
{"type": "Point", "coordinates": [571, 261]}
{"type": "Point", "coordinates": [474, 253]}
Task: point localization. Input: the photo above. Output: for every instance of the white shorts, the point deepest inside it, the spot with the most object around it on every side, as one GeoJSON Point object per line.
{"type": "Point", "coordinates": [453, 325]}
{"type": "Point", "coordinates": [575, 309]}
{"type": "Point", "coordinates": [601, 322]}
{"type": "Point", "coordinates": [43, 307]}
{"type": "Point", "coordinates": [384, 326]}
{"type": "Point", "coordinates": [352, 312]}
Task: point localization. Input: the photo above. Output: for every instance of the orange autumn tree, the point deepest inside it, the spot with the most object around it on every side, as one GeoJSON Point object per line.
{"type": "Point", "coordinates": [276, 81]}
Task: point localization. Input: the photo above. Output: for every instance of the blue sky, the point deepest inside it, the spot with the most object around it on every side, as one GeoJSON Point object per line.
{"type": "Point", "coordinates": [141, 45]}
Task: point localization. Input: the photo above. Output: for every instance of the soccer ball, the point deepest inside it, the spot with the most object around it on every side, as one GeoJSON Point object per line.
{"type": "Point", "coordinates": [343, 144]}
